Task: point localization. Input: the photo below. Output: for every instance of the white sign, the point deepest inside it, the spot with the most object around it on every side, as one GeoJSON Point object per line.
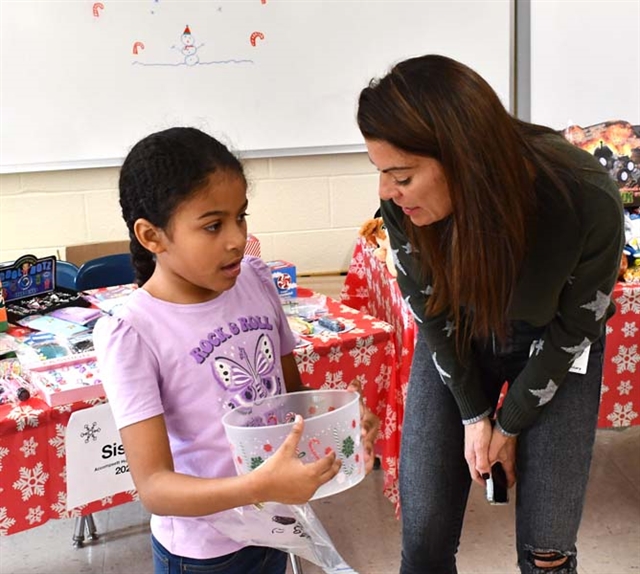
{"type": "Point", "coordinates": [96, 464]}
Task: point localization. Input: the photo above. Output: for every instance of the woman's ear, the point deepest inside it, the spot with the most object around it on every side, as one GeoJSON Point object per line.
{"type": "Point", "coordinates": [149, 236]}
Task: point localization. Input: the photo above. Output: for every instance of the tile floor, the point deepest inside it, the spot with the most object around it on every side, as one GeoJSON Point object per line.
{"type": "Point", "coordinates": [362, 525]}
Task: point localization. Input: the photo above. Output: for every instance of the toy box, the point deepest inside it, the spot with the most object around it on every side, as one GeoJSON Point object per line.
{"type": "Point", "coordinates": [284, 277]}
{"type": "Point", "coordinates": [68, 383]}
{"type": "Point", "coordinates": [29, 288]}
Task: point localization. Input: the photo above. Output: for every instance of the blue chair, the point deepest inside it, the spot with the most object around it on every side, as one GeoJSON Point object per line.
{"type": "Point", "coordinates": [105, 272]}
{"type": "Point", "coordinates": [66, 275]}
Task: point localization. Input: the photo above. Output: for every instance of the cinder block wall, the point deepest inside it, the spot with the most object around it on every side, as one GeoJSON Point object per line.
{"type": "Point", "coordinates": [305, 209]}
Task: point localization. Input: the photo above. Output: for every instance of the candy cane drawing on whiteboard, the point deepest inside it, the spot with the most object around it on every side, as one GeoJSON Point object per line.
{"type": "Point", "coordinates": [255, 36]}
{"type": "Point", "coordinates": [137, 46]}
{"type": "Point", "coordinates": [96, 9]}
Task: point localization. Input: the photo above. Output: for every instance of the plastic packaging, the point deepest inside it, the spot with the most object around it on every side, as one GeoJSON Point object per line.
{"type": "Point", "coordinates": [291, 528]}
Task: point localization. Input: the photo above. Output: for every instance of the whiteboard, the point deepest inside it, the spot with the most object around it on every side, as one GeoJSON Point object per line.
{"type": "Point", "coordinates": [83, 81]}
{"type": "Point", "coordinates": [585, 62]}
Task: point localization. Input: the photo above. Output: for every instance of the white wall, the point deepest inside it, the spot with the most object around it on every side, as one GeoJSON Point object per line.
{"type": "Point", "coordinates": [305, 209]}
{"type": "Point", "coordinates": [585, 62]}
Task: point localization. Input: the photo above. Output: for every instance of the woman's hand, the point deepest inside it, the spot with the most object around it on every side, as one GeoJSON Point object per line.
{"type": "Point", "coordinates": [369, 427]}
{"type": "Point", "coordinates": [286, 479]}
{"type": "Point", "coordinates": [477, 438]}
{"type": "Point", "coordinates": [503, 449]}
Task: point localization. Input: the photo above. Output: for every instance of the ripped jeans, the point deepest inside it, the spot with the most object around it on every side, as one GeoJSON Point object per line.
{"type": "Point", "coordinates": [553, 459]}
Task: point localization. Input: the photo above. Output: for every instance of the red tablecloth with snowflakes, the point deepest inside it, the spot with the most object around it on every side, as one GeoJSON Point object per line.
{"type": "Point", "coordinates": [369, 287]}
{"type": "Point", "coordinates": [32, 434]}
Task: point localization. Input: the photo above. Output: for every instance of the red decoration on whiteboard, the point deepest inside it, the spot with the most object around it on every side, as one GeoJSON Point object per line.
{"type": "Point", "coordinates": [96, 9]}
{"type": "Point", "coordinates": [137, 46]}
{"type": "Point", "coordinates": [255, 36]}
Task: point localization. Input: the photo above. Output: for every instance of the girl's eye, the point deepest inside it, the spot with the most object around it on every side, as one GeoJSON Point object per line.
{"type": "Point", "coordinates": [213, 227]}
{"type": "Point", "coordinates": [406, 181]}
{"type": "Point", "coordinates": [243, 216]}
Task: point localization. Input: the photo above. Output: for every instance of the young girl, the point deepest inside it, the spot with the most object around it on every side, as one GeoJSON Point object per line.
{"type": "Point", "coordinates": [205, 333]}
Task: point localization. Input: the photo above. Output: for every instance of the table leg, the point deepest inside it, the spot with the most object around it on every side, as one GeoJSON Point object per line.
{"type": "Point", "coordinates": [84, 523]}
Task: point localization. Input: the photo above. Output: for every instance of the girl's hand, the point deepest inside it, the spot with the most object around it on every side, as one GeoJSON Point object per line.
{"type": "Point", "coordinates": [286, 479]}
{"type": "Point", "coordinates": [503, 449]}
{"type": "Point", "coordinates": [477, 438]}
{"type": "Point", "coordinates": [369, 426]}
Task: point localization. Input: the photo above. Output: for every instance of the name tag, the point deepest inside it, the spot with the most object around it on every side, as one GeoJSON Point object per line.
{"type": "Point", "coordinates": [578, 366]}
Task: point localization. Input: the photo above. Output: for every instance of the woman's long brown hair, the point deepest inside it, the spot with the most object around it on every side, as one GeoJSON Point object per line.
{"type": "Point", "coordinates": [436, 107]}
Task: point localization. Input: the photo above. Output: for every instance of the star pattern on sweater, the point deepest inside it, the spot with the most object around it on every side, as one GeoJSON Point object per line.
{"type": "Point", "coordinates": [440, 370]}
{"type": "Point", "coordinates": [449, 328]}
{"type": "Point", "coordinates": [396, 261]}
{"type": "Point", "coordinates": [578, 349]}
{"type": "Point", "coordinates": [538, 346]}
{"type": "Point", "coordinates": [408, 248]}
{"type": "Point", "coordinates": [428, 290]}
{"type": "Point", "coordinates": [599, 305]}
{"type": "Point", "coordinates": [413, 312]}
{"type": "Point", "coordinates": [546, 394]}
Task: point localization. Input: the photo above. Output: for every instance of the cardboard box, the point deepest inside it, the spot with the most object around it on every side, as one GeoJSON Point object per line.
{"type": "Point", "coordinates": [284, 278]}
{"type": "Point", "coordinates": [78, 254]}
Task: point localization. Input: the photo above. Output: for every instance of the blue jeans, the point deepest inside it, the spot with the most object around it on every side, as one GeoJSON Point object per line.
{"type": "Point", "coordinates": [553, 459]}
{"type": "Point", "coordinates": [248, 560]}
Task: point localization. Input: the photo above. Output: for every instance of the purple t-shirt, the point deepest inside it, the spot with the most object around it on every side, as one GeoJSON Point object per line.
{"type": "Point", "coordinates": [192, 363]}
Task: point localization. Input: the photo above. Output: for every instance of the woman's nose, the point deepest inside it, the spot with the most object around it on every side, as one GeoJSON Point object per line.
{"type": "Point", "coordinates": [386, 189]}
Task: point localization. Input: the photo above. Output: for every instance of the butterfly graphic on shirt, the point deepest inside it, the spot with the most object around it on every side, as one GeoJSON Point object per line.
{"type": "Point", "coordinates": [251, 381]}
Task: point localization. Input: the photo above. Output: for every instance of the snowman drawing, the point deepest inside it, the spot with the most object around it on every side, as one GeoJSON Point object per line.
{"type": "Point", "coordinates": [189, 49]}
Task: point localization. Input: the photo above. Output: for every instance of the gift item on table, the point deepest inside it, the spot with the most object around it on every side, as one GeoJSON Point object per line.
{"type": "Point", "coordinates": [29, 288]}
{"type": "Point", "coordinates": [291, 528]}
{"type": "Point", "coordinates": [300, 326]}
{"type": "Point", "coordinates": [69, 383]}
{"type": "Point", "coordinates": [108, 299]}
{"type": "Point", "coordinates": [85, 316]}
{"type": "Point", "coordinates": [39, 351]}
{"type": "Point", "coordinates": [284, 278]}
{"type": "Point", "coordinates": [14, 389]}
{"type": "Point", "coordinates": [51, 324]}
{"type": "Point", "coordinates": [307, 308]}
{"type": "Point", "coordinates": [4, 322]}
{"type": "Point", "coordinates": [331, 424]}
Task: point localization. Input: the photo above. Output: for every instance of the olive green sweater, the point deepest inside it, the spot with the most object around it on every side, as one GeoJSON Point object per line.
{"type": "Point", "coordinates": [565, 284]}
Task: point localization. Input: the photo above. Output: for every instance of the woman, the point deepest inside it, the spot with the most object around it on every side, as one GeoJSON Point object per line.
{"type": "Point", "coordinates": [507, 242]}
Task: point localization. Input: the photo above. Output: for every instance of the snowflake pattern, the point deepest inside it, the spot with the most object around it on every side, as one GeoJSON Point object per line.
{"type": "Point", "coordinates": [25, 416]}
{"type": "Point", "coordinates": [383, 380]}
{"type": "Point", "coordinates": [29, 447]}
{"type": "Point", "coordinates": [629, 329]}
{"type": "Point", "coordinates": [390, 423]}
{"type": "Point", "coordinates": [31, 481]}
{"type": "Point", "coordinates": [3, 452]}
{"type": "Point", "coordinates": [626, 359]}
{"type": "Point", "coordinates": [5, 521]}
{"type": "Point", "coordinates": [60, 507]}
{"type": "Point", "coordinates": [90, 432]}
{"type": "Point", "coordinates": [629, 301]}
{"type": "Point", "coordinates": [625, 387]}
{"type": "Point", "coordinates": [363, 351]}
{"type": "Point", "coordinates": [622, 415]}
{"type": "Point", "coordinates": [335, 354]}
{"type": "Point", "coordinates": [333, 380]}
{"type": "Point", "coordinates": [35, 515]}
{"type": "Point", "coordinates": [57, 441]}
{"type": "Point", "coordinates": [307, 360]}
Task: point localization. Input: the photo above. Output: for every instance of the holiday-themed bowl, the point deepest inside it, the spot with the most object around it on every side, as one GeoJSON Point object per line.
{"type": "Point", "coordinates": [331, 424]}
